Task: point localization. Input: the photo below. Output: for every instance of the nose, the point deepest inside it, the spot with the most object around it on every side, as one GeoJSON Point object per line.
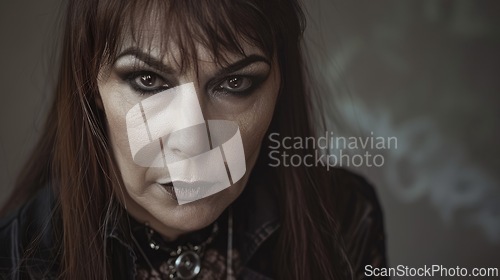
{"type": "Point", "coordinates": [189, 135]}
{"type": "Point", "coordinates": [168, 125]}
{"type": "Point", "coordinates": [186, 143]}
{"type": "Point", "coordinates": [182, 125]}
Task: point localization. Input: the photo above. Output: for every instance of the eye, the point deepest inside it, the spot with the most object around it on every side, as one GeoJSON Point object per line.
{"type": "Point", "coordinates": [235, 84]}
{"type": "Point", "coordinates": [147, 82]}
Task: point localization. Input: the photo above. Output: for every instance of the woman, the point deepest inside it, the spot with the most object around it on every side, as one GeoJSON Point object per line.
{"type": "Point", "coordinates": [154, 159]}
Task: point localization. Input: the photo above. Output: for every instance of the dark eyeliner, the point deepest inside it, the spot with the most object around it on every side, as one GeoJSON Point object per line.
{"type": "Point", "coordinates": [256, 82]}
{"type": "Point", "coordinates": [129, 78]}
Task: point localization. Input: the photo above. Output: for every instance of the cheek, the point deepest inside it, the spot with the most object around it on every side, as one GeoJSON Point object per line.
{"type": "Point", "coordinates": [253, 115]}
{"type": "Point", "coordinates": [115, 109]}
{"type": "Point", "coordinates": [254, 124]}
{"type": "Point", "coordinates": [256, 121]}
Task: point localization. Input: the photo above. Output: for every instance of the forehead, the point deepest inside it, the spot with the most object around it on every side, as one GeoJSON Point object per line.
{"type": "Point", "coordinates": [188, 35]}
{"type": "Point", "coordinates": [176, 55]}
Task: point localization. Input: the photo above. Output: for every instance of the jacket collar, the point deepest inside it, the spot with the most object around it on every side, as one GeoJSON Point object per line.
{"type": "Point", "coordinates": [256, 216]}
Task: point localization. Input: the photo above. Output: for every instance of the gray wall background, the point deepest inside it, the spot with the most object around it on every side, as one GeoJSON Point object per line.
{"type": "Point", "coordinates": [426, 72]}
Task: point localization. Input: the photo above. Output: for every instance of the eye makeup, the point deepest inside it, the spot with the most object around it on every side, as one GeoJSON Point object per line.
{"type": "Point", "coordinates": [146, 82]}
{"type": "Point", "coordinates": [145, 74]}
{"type": "Point", "coordinates": [241, 78]}
{"type": "Point", "coordinates": [239, 85]}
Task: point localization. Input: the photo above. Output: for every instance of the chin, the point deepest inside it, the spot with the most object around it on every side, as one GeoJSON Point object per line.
{"type": "Point", "coordinates": [195, 215]}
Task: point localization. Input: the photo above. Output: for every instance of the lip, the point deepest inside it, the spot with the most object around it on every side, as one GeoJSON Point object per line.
{"type": "Point", "coordinates": [169, 188]}
{"type": "Point", "coordinates": [187, 191]}
{"type": "Point", "coordinates": [164, 181]}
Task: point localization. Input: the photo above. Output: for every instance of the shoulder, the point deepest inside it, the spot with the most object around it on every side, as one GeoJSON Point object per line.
{"type": "Point", "coordinates": [354, 189]}
{"type": "Point", "coordinates": [360, 219]}
{"type": "Point", "coordinates": [28, 227]}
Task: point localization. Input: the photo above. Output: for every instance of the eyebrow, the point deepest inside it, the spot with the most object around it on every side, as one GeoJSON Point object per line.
{"type": "Point", "coordinates": [159, 65]}
{"type": "Point", "coordinates": [146, 58]}
{"type": "Point", "coordinates": [247, 60]}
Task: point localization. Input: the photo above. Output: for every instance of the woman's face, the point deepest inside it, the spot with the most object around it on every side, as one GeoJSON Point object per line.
{"type": "Point", "coordinates": [243, 91]}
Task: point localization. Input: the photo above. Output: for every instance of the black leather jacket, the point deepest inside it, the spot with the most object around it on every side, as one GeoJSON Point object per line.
{"type": "Point", "coordinates": [256, 228]}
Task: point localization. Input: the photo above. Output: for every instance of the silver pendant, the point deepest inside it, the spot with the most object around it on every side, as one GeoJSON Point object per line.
{"type": "Point", "coordinates": [187, 265]}
{"type": "Point", "coordinates": [184, 262]}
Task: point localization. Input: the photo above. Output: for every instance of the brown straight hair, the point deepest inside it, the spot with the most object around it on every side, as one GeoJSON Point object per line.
{"type": "Point", "coordinates": [73, 154]}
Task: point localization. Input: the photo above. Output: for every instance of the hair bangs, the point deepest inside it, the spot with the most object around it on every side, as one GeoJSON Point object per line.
{"type": "Point", "coordinates": [222, 29]}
